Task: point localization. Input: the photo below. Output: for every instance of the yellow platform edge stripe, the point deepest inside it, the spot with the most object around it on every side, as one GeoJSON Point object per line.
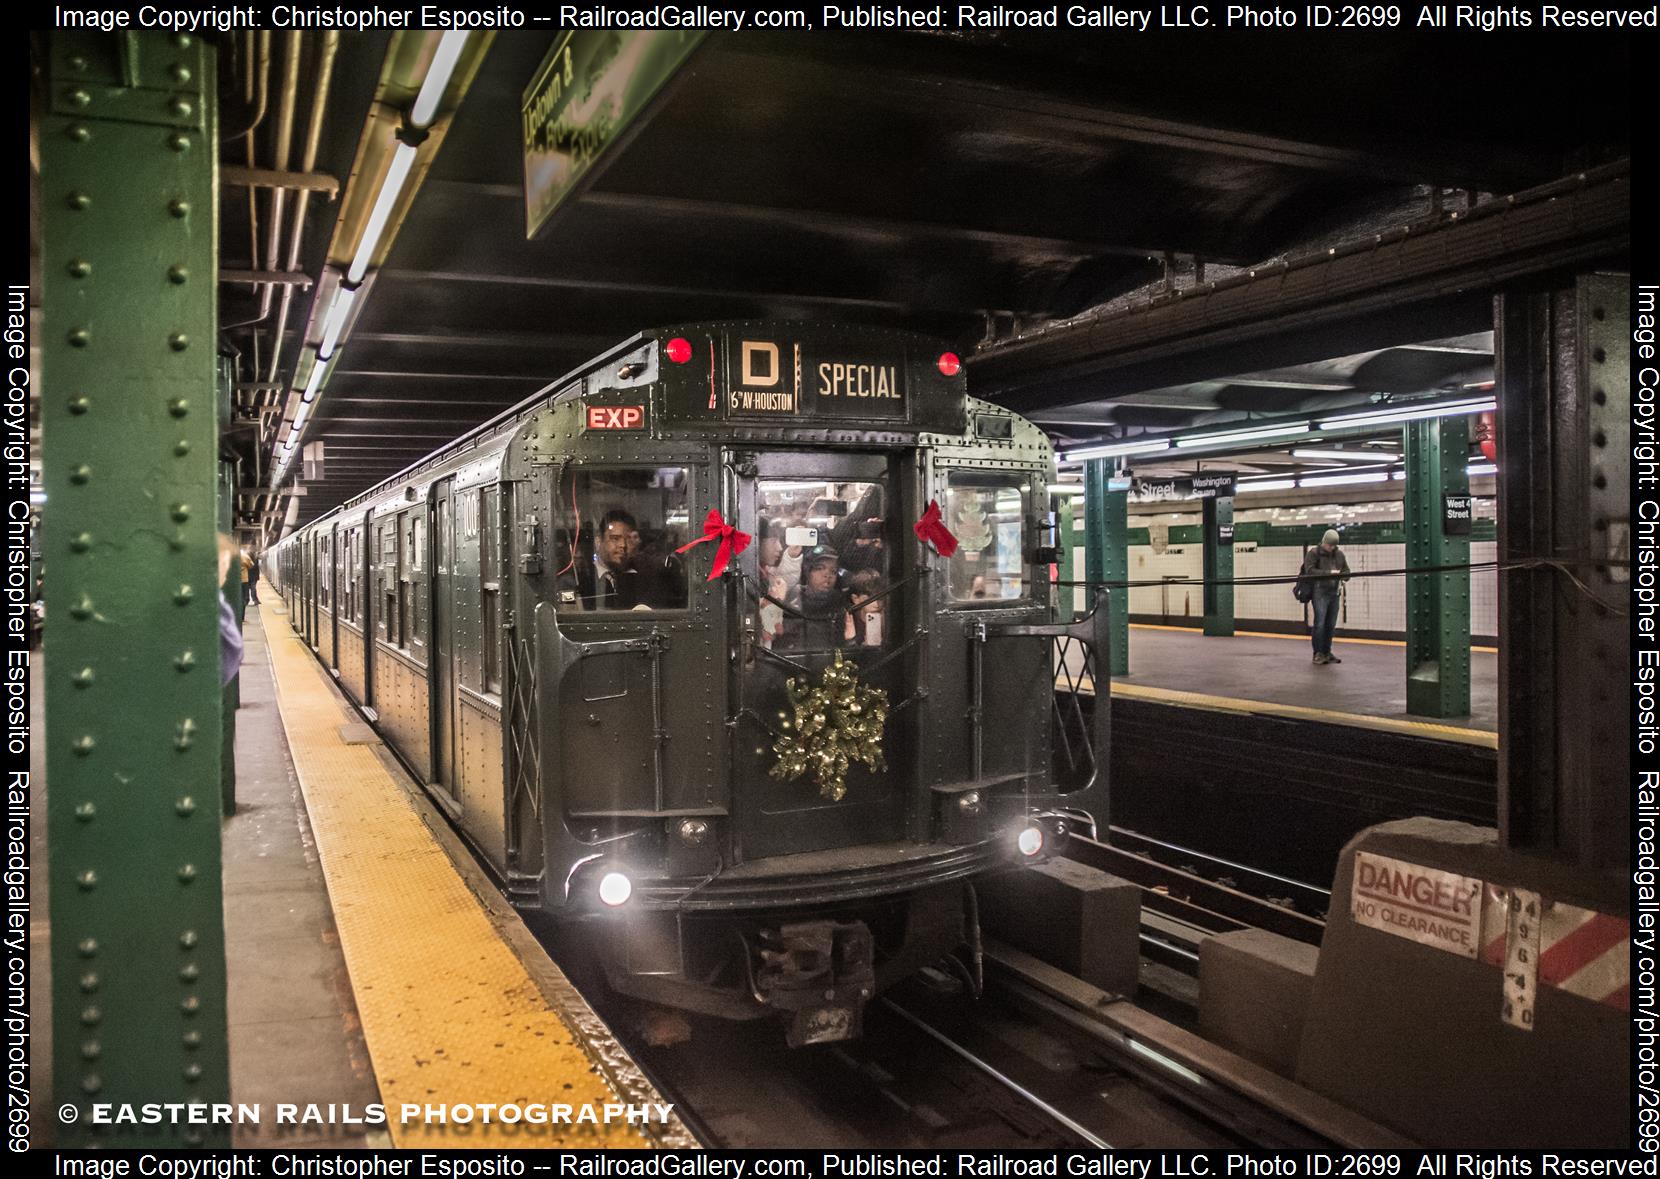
{"type": "Point", "coordinates": [450, 1013]}
{"type": "Point", "coordinates": [1482, 737]}
{"type": "Point", "coordinates": [1275, 634]}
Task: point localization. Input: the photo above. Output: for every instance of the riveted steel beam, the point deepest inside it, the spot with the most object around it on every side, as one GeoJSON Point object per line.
{"type": "Point", "coordinates": [1437, 604]}
{"type": "Point", "coordinates": [1107, 551]}
{"type": "Point", "coordinates": [1218, 565]}
{"type": "Point", "coordinates": [1562, 361]}
{"type": "Point", "coordinates": [133, 698]}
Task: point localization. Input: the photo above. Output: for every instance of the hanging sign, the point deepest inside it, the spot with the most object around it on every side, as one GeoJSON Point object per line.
{"type": "Point", "coordinates": [591, 86]}
{"type": "Point", "coordinates": [1197, 487]}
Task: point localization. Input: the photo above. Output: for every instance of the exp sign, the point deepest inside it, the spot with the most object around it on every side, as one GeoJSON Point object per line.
{"type": "Point", "coordinates": [616, 417]}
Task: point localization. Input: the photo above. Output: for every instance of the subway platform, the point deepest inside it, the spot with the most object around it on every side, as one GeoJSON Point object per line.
{"type": "Point", "coordinates": [1273, 674]}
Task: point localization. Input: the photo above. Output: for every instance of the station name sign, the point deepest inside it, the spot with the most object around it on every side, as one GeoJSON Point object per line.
{"type": "Point", "coordinates": [1197, 487]}
{"type": "Point", "coordinates": [589, 89]}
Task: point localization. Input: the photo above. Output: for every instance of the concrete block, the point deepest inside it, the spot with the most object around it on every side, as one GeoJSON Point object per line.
{"type": "Point", "coordinates": [1074, 917]}
{"type": "Point", "coordinates": [1412, 1035]}
{"type": "Point", "coordinates": [1253, 994]}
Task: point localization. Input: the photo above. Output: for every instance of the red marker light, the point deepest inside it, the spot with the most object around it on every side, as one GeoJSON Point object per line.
{"type": "Point", "coordinates": [678, 350]}
{"type": "Point", "coordinates": [949, 364]}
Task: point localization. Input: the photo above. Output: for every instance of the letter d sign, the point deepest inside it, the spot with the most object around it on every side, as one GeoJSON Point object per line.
{"type": "Point", "coordinates": [760, 363]}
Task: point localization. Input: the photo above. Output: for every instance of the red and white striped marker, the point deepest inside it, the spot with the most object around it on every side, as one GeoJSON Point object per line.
{"type": "Point", "coordinates": [1535, 941]}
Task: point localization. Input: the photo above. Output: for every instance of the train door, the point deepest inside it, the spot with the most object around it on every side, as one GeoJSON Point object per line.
{"type": "Point", "coordinates": [442, 674]}
{"type": "Point", "coordinates": [826, 529]}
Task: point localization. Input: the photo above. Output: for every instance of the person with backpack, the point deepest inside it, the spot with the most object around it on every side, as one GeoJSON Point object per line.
{"type": "Point", "coordinates": [1325, 568]}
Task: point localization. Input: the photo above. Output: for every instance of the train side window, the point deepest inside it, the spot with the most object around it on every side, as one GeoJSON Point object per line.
{"type": "Point", "coordinates": [986, 512]}
{"type": "Point", "coordinates": [614, 539]}
{"type": "Point", "coordinates": [418, 584]}
{"type": "Point", "coordinates": [325, 569]}
{"type": "Point", "coordinates": [406, 579]}
{"type": "Point", "coordinates": [489, 571]}
{"type": "Point", "coordinates": [387, 623]}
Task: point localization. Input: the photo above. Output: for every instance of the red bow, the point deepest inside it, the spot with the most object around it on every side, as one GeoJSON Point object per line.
{"type": "Point", "coordinates": [930, 530]}
{"type": "Point", "coordinates": [732, 542]}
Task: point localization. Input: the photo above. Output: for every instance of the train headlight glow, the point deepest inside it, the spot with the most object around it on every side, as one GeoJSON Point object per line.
{"type": "Point", "coordinates": [1030, 841]}
{"type": "Point", "coordinates": [615, 889]}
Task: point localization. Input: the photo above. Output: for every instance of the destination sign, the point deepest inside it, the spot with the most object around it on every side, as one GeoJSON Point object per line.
{"type": "Point", "coordinates": [765, 378]}
{"type": "Point", "coordinates": [781, 378]}
{"type": "Point", "coordinates": [842, 386]}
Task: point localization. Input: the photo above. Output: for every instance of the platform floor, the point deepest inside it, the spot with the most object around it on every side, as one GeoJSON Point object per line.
{"type": "Point", "coordinates": [1277, 670]}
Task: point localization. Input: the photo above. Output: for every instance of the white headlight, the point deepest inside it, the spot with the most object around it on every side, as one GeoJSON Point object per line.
{"type": "Point", "coordinates": [1030, 841]}
{"type": "Point", "coordinates": [615, 889]}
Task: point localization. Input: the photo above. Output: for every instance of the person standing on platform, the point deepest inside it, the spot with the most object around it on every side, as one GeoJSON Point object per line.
{"type": "Point", "coordinates": [250, 576]}
{"type": "Point", "coordinates": [230, 631]}
{"type": "Point", "coordinates": [1326, 568]}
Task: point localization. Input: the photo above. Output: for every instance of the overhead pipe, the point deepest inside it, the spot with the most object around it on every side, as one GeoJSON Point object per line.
{"type": "Point", "coordinates": [263, 70]}
{"type": "Point", "coordinates": [284, 146]}
{"type": "Point", "coordinates": [308, 162]}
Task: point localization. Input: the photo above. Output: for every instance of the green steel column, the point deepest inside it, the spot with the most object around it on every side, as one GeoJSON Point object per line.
{"type": "Point", "coordinates": [128, 141]}
{"type": "Point", "coordinates": [1218, 595]}
{"type": "Point", "coordinates": [1437, 604]}
{"type": "Point", "coordinates": [1067, 599]}
{"type": "Point", "coordinates": [1107, 551]}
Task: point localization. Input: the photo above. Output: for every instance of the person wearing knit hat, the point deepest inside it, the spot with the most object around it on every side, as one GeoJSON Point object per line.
{"type": "Point", "coordinates": [1326, 568]}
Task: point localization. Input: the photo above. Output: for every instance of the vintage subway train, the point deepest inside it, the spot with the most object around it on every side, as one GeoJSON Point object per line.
{"type": "Point", "coordinates": [614, 729]}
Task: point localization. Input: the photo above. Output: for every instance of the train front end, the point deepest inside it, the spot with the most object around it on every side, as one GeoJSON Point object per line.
{"type": "Point", "coordinates": [787, 595]}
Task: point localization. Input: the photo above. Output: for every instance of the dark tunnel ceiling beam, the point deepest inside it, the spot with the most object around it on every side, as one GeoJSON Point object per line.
{"type": "Point", "coordinates": [431, 278]}
{"type": "Point", "coordinates": [1431, 283]}
{"type": "Point", "coordinates": [584, 344]}
{"type": "Point", "coordinates": [861, 75]}
{"type": "Point", "coordinates": [858, 225]}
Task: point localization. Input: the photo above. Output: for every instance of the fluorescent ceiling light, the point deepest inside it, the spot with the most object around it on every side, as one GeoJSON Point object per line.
{"type": "Point", "coordinates": [299, 417]}
{"type": "Point", "coordinates": [1481, 469]}
{"type": "Point", "coordinates": [1066, 489]}
{"type": "Point", "coordinates": [339, 311]}
{"type": "Point", "coordinates": [37, 497]}
{"type": "Point", "coordinates": [1113, 449]}
{"type": "Point", "coordinates": [437, 79]}
{"type": "Point", "coordinates": [1408, 413]}
{"type": "Point", "coordinates": [402, 161]}
{"type": "Point", "coordinates": [313, 383]}
{"type": "Point", "coordinates": [1346, 456]}
{"type": "Point", "coordinates": [1338, 480]}
{"type": "Point", "coordinates": [1267, 485]}
{"type": "Point", "coordinates": [1226, 437]}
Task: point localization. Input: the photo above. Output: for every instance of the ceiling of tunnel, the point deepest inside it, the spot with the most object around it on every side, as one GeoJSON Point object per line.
{"type": "Point", "coordinates": [965, 186]}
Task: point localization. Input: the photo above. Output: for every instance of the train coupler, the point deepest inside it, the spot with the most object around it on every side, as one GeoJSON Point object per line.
{"type": "Point", "coordinates": [819, 974]}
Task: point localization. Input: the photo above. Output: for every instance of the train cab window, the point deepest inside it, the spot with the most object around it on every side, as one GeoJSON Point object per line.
{"type": "Point", "coordinates": [824, 561]}
{"type": "Point", "coordinates": [986, 513]}
{"type": "Point", "coordinates": [615, 536]}
{"type": "Point", "coordinates": [489, 569]}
